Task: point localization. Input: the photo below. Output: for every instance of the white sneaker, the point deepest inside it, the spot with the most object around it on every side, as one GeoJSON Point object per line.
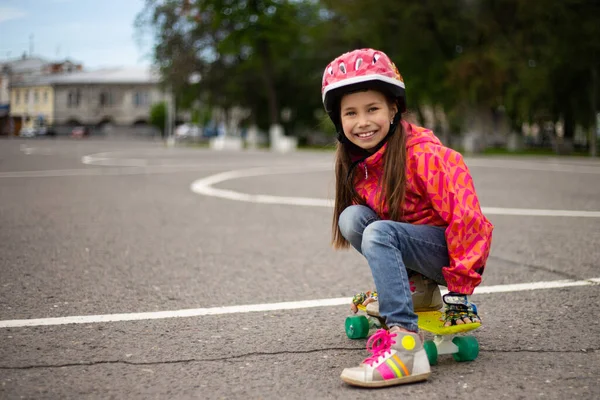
{"type": "Point", "coordinates": [397, 358]}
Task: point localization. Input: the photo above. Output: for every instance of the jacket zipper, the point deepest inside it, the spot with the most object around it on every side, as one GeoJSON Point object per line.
{"type": "Point", "coordinates": [366, 173]}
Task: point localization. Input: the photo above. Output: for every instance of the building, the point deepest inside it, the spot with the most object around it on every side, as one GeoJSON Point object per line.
{"type": "Point", "coordinates": [115, 96]}
{"type": "Point", "coordinates": [120, 96]}
{"type": "Point", "coordinates": [10, 71]}
{"type": "Point", "coordinates": [62, 67]}
{"type": "Point", "coordinates": [38, 102]}
{"type": "Point", "coordinates": [32, 106]}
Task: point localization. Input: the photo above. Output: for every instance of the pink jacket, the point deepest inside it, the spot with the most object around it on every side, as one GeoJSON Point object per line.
{"type": "Point", "coordinates": [439, 192]}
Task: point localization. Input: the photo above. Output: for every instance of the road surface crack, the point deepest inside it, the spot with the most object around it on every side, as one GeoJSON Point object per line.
{"type": "Point", "coordinates": [181, 361]}
{"type": "Point", "coordinates": [540, 351]}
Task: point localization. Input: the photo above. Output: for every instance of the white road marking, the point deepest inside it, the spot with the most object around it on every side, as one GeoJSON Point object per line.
{"type": "Point", "coordinates": [116, 170]}
{"type": "Point", "coordinates": [113, 171]}
{"type": "Point", "coordinates": [205, 187]}
{"type": "Point", "coordinates": [139, 166]}
{"type": "Point", "coordinates": [529, 212]}
{"type": "Point", "coordinates": [292, 305]}
{"type": "Point", "coordinates": [533, 166]}
{"type": "Point", "coordinates": [113, 162]}
{"type": "Point", "coordinates": [27, 150]}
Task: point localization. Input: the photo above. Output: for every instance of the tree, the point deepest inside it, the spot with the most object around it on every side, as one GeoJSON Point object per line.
{"type": "Point", "coordinates": [531, 59]}
{"type": "Point", "coordinates": [158, 116]}
{"type": "Point", "coordinates": [248, 52]}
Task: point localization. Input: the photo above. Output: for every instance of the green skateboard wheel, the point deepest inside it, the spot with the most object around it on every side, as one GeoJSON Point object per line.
{"type": "Point", "coordinates": [431, 350]}
{"type": "Point", "coordinates": [357, 327]}
{"type": "Point", "coordinates": [468, 348]}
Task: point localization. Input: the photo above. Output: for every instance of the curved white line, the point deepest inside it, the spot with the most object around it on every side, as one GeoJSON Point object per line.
{"type": "Point", "coordinates": [205, 187]}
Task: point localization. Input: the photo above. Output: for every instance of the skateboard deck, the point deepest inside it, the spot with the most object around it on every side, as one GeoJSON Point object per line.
{"type": "Point", "coordinates": [431, 321]}
{"type": "Point", "coordinates": [445, 341]}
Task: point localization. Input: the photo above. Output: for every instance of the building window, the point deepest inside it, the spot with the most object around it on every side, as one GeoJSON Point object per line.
{"type": "Point", "coordinates": [74, 98]}
{"type": "Point", "coordinates": [106, 99]}
{"type": "Point", "coordinates": [141, 98]}
{"type": "Point", "coordinates": [17, 96]}
{"type": "Point", "coordinates": [45, 96]}
{"type": "Point", "coordinates": [26, 97]}
{"type": "Point", "coordinates": [36, 97]}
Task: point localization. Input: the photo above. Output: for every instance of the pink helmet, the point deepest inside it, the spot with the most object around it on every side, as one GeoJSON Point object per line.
{"type": "Point", "coordinates": [361, 69]}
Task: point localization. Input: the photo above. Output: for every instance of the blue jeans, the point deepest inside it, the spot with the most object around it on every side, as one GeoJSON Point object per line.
{"type": "Point", "coordinates": [392, 249]}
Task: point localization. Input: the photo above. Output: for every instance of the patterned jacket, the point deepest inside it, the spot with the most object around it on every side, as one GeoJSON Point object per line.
{"type": "Point", "coordinates": [439, 192]}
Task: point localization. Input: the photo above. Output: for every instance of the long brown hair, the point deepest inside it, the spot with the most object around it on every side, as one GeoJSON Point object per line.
{"type": "Point", "coordinates": [393, 179]}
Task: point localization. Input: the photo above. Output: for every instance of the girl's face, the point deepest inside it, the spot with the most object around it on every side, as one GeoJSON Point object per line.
{"type": "Point", "coordinates": [366, 117]}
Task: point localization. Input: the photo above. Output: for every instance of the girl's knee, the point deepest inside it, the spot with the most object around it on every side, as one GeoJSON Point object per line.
{"type": "Point", "coordinates": [353, 219]}
{"type": "Point", "coordinates": [385, 232]}
{"type": "Point", "coordinates": [376, 233]}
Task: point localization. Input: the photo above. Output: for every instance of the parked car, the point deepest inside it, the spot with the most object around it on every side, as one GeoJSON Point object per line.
{"type": "Point", "coordinates": [47, 131]}
{"type": "Point", "coordinates": [210, 130]}
{"type": "Point", "coordinates": [80, 132]}
{"type": "Point", "coordinates": [27, 132]}
{"type": "Point", "coordinates": [42, 130]}
{"type": "Point", "coordinates": [187, 131]}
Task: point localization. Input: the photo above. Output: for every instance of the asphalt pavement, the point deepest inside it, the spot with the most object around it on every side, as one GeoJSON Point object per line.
{"type": "Point", "coordinates": [131, 270]}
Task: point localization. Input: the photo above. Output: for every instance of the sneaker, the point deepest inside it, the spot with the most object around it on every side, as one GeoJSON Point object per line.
{"type": "Point", "coordinates": [426, 296]}
{"type": "Point", "coordinates": [397, 358]}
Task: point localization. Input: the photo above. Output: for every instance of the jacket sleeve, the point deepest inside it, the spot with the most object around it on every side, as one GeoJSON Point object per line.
{"type": "Point", "coordinates": [449, 187]}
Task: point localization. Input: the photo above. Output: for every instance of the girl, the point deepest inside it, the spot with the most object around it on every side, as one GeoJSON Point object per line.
{"type": "Point", "coordinates": [408, 205]}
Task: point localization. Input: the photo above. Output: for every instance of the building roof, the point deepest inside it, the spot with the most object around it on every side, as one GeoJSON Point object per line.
{"type": "Point", "coordinates": [26, 64]}
{"type": "Point", "coordinates": [102, 76]}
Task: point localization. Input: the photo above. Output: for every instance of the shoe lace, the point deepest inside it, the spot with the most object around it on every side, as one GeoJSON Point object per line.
{"type": "Point", "coordinates": [379, 344]}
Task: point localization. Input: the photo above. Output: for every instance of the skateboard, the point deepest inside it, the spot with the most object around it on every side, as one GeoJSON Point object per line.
{"type": "Point", "coordinates": [446, 339]}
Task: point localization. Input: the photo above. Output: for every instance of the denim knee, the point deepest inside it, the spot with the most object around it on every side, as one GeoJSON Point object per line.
{"type": "Point", "coordinates": [374, 234]}
{"type": "Point", "coordinates": [352, 221]}
{"type": "Point", "coordinates": [392, 232]}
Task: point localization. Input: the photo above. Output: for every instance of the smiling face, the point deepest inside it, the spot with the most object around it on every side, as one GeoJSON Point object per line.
{"type": "Point", "coordinates": [366, 117]}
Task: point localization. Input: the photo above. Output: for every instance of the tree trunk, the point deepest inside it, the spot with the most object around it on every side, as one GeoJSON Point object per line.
{"type": "Point", "coordinates": [564, 145]}
{"type": "Point", "coordinates": [477, 128]}
{"type": "Point", "coordinates": [268, 78]}
{"type": "Point", "coordinates": [594, 135]}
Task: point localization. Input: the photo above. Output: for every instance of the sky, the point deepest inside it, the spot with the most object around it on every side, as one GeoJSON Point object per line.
{"type": "Point", "coordinates": [96, 33]}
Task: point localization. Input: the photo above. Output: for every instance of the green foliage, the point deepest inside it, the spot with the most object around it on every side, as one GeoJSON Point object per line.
{"type": "Point", "coordinates": [326, 126]}
{"type": "Point", "coordinates": [533, 59]}
{"type": "Point", "coordinates": [158, 116]}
